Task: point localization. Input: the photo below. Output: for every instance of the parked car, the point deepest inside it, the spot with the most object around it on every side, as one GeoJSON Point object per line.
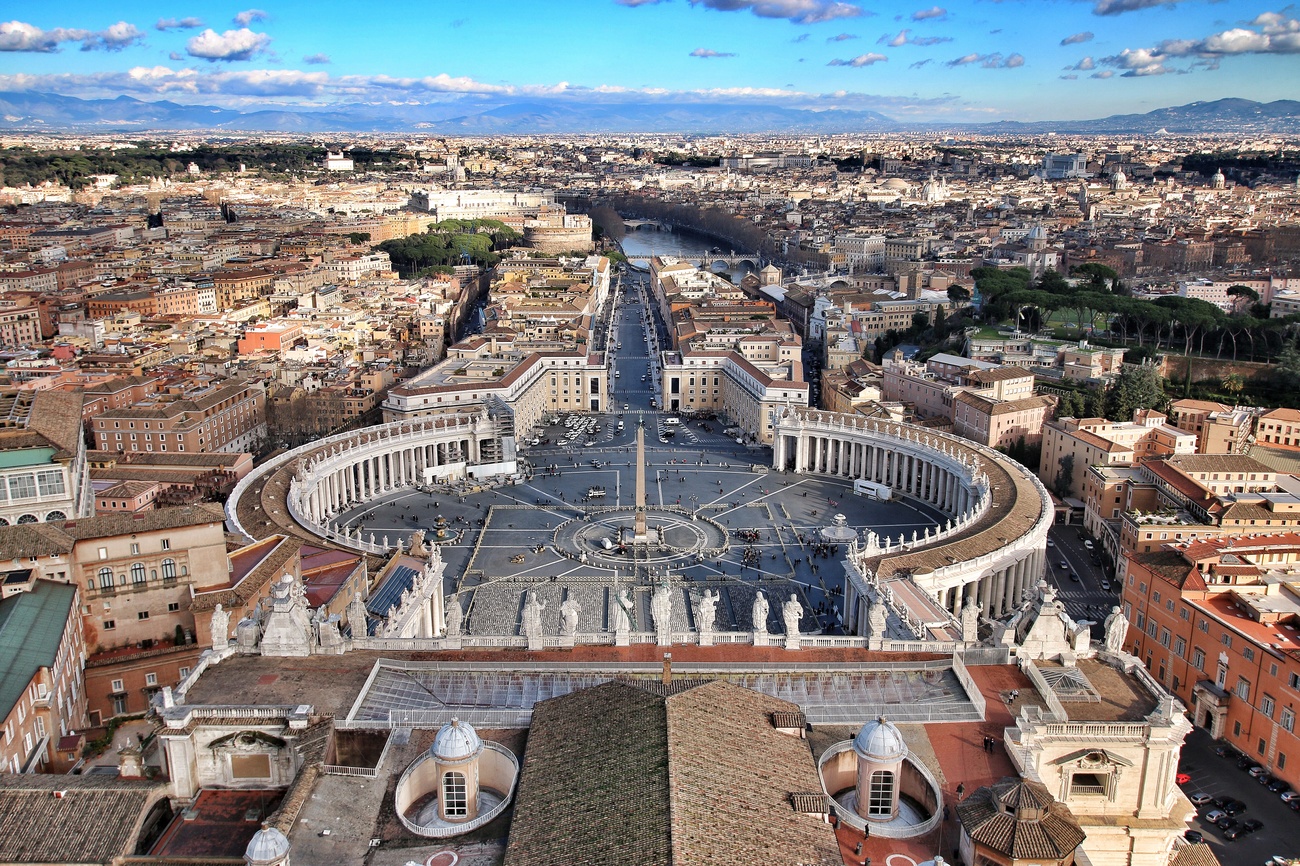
{"type": "Point", "coordinates": [1223, 750]}
{"type": "Point", "coordinates": [1278, 786]}
{"type": "Point", "coordinates": [1233, 832]}
{"type": "Point", "coordinates": [1263, 778]}
{"type": "Point", "coordinates": [1246, 763]}
{"type": "Point", "coordinates": [1182, 779]}
{"type": "Point", "coordinates": [1258, 770]}
{"type": "Point", "coordinates": [1226, 822]}
{"type": "Point", "coordinates": [1294, 804]}
{"type": "Point", "coordinates": [1215, 815]}
{"type": "Point", "coordinates": [1074, 577]}
{"type": "Point", "coordinates": [1063, 564]}
{"type": "Point", "coordinates": [1193, 836]}
{"type": "Point", "coordinates": [1234, 807]}
{"type": "Point", "coordinates": [1288, 796]}
{"type": "Point", "coordinates": [1250, 825]}
{"type": "Point", "coordinates": [1105, 585]}
{"type": "Point", "coordinates": [1200, 798]}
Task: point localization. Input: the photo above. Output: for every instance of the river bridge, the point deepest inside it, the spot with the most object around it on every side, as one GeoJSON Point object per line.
{"type": "Point", "coordinates": [710, 261]}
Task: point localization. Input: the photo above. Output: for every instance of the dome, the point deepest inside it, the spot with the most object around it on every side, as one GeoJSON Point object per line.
{"type": "Point", "coordinates": [896, 183]}
{"type": "Point", "coordinates": [267, 846]}
{"type": "Point", "coordinates": [456, 742]}
{"type": "Point", "coordinates": [880, 741]}
{"type": "Point", "coordinates": [1037, 233]}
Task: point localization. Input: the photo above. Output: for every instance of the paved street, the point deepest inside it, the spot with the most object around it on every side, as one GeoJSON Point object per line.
{"type": "Point", "coordinates": [1219, 777]}
{"type": "Point", "coordinates": [1084, 598]}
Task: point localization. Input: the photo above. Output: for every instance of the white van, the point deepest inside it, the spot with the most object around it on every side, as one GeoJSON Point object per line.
{"type": "Point", "coordinates": [671, 421]}
{"type": "Point", "coordinates": [620, 426]}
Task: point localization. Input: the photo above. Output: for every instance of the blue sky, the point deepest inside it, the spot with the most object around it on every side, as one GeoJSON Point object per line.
{"type": "Point", "coordinates": [963, 60]}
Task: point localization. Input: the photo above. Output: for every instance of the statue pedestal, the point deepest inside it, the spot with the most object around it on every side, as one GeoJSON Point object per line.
{"type": "Point", "coordinates": [760, 638]}
{"type": "Point", "coordinates": [535, 643]}
{"type": "Point", "coordinates": [706, 638]}
{"type": "Point", "coordinates": [792, 642]}
{"type": "Point", "coordinates": [452, 643]}
{"type": "Point", "coordinates": [663, 637]}
{"type": "Point", "coordinates": [567, 641]}
{"type": "Point", "coordinates": [621, 639]}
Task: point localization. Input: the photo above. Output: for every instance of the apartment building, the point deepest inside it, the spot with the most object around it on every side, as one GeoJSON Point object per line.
{"type": "Point", "coordinates": [1217, 622]}
{"type": "Point", "coordinates": [41, 693]}
{"type": "Point", "coordinates": [1279, 428]}
{"type": "Point", "coordinates": [44, 472]}
{"type": "Point", "coordinates": [1078, 443]}
{"type": "Point", "coordinates": [1219, 429]}
{"type": "Point", "coordinates": [211, 417]}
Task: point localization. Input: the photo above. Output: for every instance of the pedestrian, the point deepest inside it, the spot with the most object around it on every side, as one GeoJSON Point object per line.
{"type": "Point", "coordinates": [961, 789]}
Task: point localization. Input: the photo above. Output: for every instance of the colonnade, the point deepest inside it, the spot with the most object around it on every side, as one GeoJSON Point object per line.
{"type": "Point", "coordinates": [916, 475]}
{"type": "Point", "coordinates": [950, 474]}
{"type": "Point", "coordinates": [365, 473]}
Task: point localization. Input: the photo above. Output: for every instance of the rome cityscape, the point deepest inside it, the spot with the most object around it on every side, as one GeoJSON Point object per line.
{"type": "Point", "coordinates": [650, 432]}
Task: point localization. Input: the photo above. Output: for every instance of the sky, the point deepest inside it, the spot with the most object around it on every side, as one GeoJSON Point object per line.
{"type": "Point", "coordinates": [962, 60]}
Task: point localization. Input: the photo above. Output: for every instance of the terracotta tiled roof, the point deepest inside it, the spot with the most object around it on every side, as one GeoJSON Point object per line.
{"type": "Point", "coordinates": [1019, 819]}
{"type": "Point", "coordinates": [1195, 855]}
{"type": "Point", "coordinates": [95, 821]}
{"type": "Point", "coordinates": [634, 772]}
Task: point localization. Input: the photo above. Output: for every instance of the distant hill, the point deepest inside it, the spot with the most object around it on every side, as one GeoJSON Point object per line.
{"type": "Point", "coordinates": [47, 111]}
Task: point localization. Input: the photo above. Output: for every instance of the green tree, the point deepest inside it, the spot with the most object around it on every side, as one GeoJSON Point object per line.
{"type": "Point", "coordinates": [1232, 384]}
{"type": "Point", "coordinates": [1064, 476]}
{"type": "Point", "coordinates": [1242, 296]}
{"type": "Point", "coordinates": [1136, 387]}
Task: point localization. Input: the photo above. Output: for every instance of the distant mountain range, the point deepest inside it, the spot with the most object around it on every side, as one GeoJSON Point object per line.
{"type": "Point", "coordinates": [51, 112]}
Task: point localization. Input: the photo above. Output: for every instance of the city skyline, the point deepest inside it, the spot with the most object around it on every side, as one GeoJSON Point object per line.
{"type": "Point", "coordinates": [966, 61]}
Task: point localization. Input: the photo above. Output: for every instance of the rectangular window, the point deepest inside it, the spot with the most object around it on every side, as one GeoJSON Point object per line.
{"type": "Point", "coordinates": [1266, 706]}
{"type": "Point", "coordinates": [1243, 689]}
{"type": "Point", "coordinates": [144, 614]}
{"type": "Point", "coordinates": [183, 673]}
{"type": "Point", "coordinates": [1293, 681]}
{"type": "Point", "coordinates": [116, 685]}
{"type": "Point", "coordinates": [1236, 729]}
{"type": "Point", "coordinates": [1164, 637]}
{"type": "Point", "coordinates": [1183, 613]}
{"type": "Point", "coordinates": [135, 548]}
{"type": "Point", "coordinates": [173, 606]}
{"type": "Point", "coordinates": [109, 625]}
{"type": "Point", "coordinates": [1226, 639]}
{"type": "Point", "coordinates": [1204, 626]}
{"type": "Point", "coordinates": [22, 487]}
{"type": "Point", "coordinates": [151, 679]}
{"type": "Point", "coordinates": [1262, 745]}
{"type": "Point", "coordinates": [1198, 659]}
{"type": "Point", "coordinates": [1248, 654]}
{"type": "Point", "coordinates": [1281, 760]}
{"type": "Point", "coordinates": [1180, 647]}
{"type": "Point", "coordinates": [1287, 719]}
{"type": "Point", "coordinates": [50, 482]}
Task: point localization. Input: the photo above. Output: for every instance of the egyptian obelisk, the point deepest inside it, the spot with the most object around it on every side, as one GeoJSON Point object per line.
{"type": "Point", "coordinates": [638, 525]}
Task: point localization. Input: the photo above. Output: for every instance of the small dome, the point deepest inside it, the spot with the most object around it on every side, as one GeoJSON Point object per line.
{"type": "Point", "coordinates": [267, 846]}
{"type": "Point", "coordinates": [880, 741]}
{"type": "Point", "coordinates": [1037, 233]}
{"type": "Point", "coordinates": [456, 742]}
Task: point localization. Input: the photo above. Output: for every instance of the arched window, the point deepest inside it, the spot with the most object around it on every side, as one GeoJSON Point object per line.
{"type": "Point", "coordinates": [168, 569]}
{"type": "Point", "coordinates": [28, 518]}
{"type": "Point", "coordinates": [880, 803]}
{"type": "Point", "coordinates": [3, 522]}
{"type": "Point", "coordinates": [137, 572]}
{"type": "Point", "coordinates": [106, 578]}
{"type": "Point", "coordinates": [55, 515]}
{"type": "Point", "coordinates": [455, 803]}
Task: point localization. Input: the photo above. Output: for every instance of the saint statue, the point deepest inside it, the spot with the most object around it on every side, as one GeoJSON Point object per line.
{"type": "Point", "coordinates": [569, 617]}
{"type": "Point", "coordinates": [1116, 630]}
{"type": "Point", "coordinates": [622, 611]}
{"type": "Point", "coordinates": [454, 615]}
{"type": "Point", "coordinates": [706, 610]}
{"type": "Point", "coordinates": [661, 608]}
{"type": "Point", "coordinates": [792, 612]}
{"type": "Point", "coordinates": [220, 628]}
{"type": "Point", "coordinates": [533, 607]}
{"type": "Point", "coordinates": [759, 613]}
{"type": "Point", "coordinates": [970, 621]}
{"type": "Point", "coordinates": [417, 543]}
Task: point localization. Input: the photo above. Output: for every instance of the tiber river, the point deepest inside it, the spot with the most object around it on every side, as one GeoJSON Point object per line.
{"type": "Point", "coordinates": [678, 242]}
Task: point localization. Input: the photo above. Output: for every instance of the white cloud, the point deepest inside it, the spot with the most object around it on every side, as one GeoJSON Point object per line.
{"type": "Point", "coordinates": [990, 61]}
{"type": "Point", "coordinates": [21, 36]}
{"type": "Point", "coordinates": [1105, 73]}
{"type": "Point", "coordinates": [242, 44]}
{"type": "Point", "coordinates": [795, 11]}
{"type": "Point", "coordinates": [1076, 38]}
{"type": "Point", "coordinates": [316, 59]}
{"type": "Point", "coordinates": [905, 37]}
{"type": "Point", "coordinates": [248, 16]}
{"type": "Point", "coordinates": [1119, 7]}
{"type": "Point", "coordinates": [860, 61]}
{"type": "Point", "coordinates": [178, 24]}
{"type": "Point", "coordinates": [932, 12]}
{"type": "Point", "coordinates": [709, 52]}
{"type": "Point", "coordinates": [1275, 33]}
{"type": "Point", "coordinates": [1068, 77]}
{"type": "Point", "coordinates": [1085, 65]}
{"type": "Point", "coordinates": [841, 37]}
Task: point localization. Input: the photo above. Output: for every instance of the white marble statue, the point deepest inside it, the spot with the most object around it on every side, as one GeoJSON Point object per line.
{"type": "Point", "coordinates": [1116, 630]}
{"type": "Point", "coordinates": [661, 608]}
{"type": "Point", "coordinates": [569, 611]}
{"type": "Point", "coordinates": [622, 611]}
{"type": "Point", "coordinates": [706, 611]}
{"type": "Point", "coordinates": [970, 621]}
{"type": "Point", "coordinates": [792, 612]}
{"type": "Point", "coordinates": [220, 628]}
{"type": "Point", "coordinates": [759, 612]}
{"type": "Point", "coordinates": [877, 618]}
{"type": "Point", "coordinates": [417, 543]}
{"type": "Point", "coordinates": [455, 615]}
{"type": "Point", "coordinates": [533, 607]}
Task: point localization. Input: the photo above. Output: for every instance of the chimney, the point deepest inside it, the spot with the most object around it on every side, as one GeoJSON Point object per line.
{"type": "Point", "coordinates": [668, 669]}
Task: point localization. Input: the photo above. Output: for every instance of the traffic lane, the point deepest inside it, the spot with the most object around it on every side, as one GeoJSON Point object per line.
{"type": "Point", "coordinates": [1219, 777]}
{"type": "Point", "coordinates": [1069, 548]}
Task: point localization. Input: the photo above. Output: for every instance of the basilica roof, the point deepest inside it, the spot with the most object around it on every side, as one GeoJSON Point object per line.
{"type": "Point", "coordinates": [1019, 819]}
